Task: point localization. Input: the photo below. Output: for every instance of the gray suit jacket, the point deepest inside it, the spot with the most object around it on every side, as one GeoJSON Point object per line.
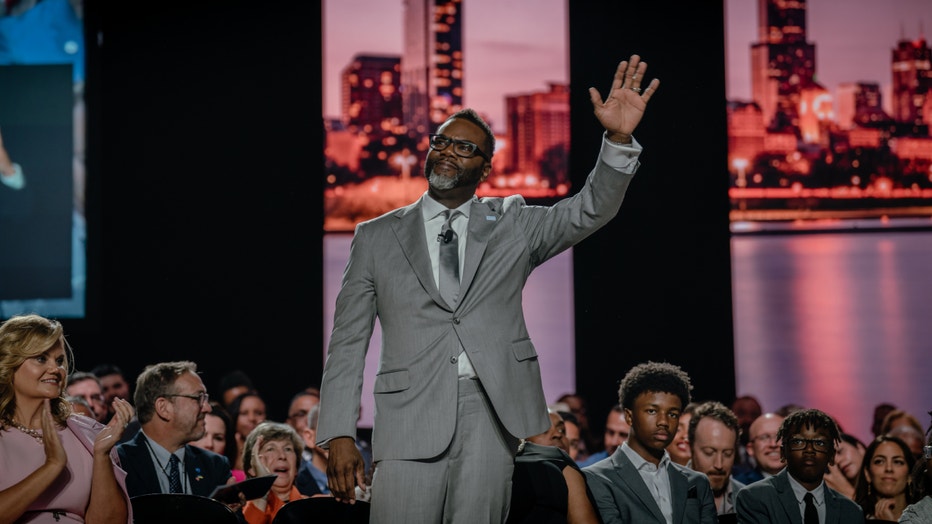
{"type": "Point", "coordinates": [623, 496]}
{"type": "Point", "coordinates": [773, 500]}
{"type": "Point", "coordinates": [389, 276]}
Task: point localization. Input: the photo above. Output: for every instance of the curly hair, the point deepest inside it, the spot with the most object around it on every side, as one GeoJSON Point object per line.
{"type": "Point", "coordinates": [658, 377]}
{"type": "Point", "coordinates": [23, 337]}
{"type": "Point", "coordinates": [802, 418]}
{"type": "Point", "coordinates": [269, 431]}
{"type": "Point", "coordinates": [716, 411]}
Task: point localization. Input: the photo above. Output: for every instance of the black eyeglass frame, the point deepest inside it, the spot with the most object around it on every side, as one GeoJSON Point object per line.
{"type": "Point", "coordinates": [476, 150]}
{"type": "Point", "coordinates": [201, 398]}
{"type": "Point", "coordinates": [803, 443]}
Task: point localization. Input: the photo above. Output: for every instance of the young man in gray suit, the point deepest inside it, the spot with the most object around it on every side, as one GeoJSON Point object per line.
{"type": "Point", "coordinates": [798, 494]}
{"type": "Point", "coordinates": [639, 483]}
{"type": "Point", "coordinates": [458, 380]}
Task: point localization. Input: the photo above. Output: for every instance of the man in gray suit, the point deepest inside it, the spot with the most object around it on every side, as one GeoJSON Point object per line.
{"type": "Point", "coordinates": [639, 483]}
{"type": "Point", "coordinates": [713, 439]}
{"type": "Point", "coordinates": [458, 381]}
{"type": "Point", "coordinates": [798, 494]}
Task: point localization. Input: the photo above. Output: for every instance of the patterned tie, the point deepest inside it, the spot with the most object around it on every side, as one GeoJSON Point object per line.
{"type": "Point", "coordinates": [449, 260]}
{"type": "Point", "coordinates": [174, 478]}
{"type": "Point", "coordinates": [812, 515]}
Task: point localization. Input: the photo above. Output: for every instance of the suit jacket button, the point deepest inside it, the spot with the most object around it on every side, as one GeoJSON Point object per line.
{"type": "Point", "coordinates": [456, 321]}
{"type": "Point", "coordinates": [452, 360]}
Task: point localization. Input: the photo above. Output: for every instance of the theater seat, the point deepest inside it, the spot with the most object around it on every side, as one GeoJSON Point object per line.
{"type": "Point", "coordinates": [322, 510]}
{"type": "Point", "coordinates": [174, 508]}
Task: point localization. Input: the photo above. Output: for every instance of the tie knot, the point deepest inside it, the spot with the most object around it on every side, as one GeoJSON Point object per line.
{"type": "Point", "coordinates": [173, 460]}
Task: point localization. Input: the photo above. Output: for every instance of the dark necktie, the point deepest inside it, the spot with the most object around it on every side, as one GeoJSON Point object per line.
{"type": "Point", "coordinates": [174, 477]}
{"type": "Point", "coordinates": [812, 515]}
{"type": "Point", "coordinates": [449, 260]}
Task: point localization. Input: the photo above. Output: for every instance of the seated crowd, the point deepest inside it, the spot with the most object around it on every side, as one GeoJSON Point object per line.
{"type": "Point", "coordinates": [664, 456]}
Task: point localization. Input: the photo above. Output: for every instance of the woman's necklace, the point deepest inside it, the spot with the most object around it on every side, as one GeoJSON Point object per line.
{"type": "Point", "coordinates": [34, 433]}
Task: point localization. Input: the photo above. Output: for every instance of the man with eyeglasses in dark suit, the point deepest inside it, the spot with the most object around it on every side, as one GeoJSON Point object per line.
{"type": "Point", "coordinates": [171, 402]}
{"type": "Point", "coordinates": [798, 494]}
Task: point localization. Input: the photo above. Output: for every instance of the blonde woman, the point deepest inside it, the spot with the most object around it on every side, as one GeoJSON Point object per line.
{"type": "Point", "coordinates": [56, 466]}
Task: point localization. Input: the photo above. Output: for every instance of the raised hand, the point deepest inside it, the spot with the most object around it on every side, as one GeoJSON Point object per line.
{"type": "Point", "coordinates": [110, 435]}
{"type": "Point", "coordinates": [622, 110]}
{"type": "Point", "coordinates": [55, 454]}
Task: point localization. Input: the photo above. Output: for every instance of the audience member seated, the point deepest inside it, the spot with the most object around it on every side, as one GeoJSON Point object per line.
{"type": "Point", "coordinates": [763, 448]}
{"type": "Point", "coordinates": [80, 406]}
{"type": "Point", "coordinates": [616, 432]}
{"type": "Point", "coordinates": [713, 437]}
{"type": "Point", "coordinates": [747, 408]}
{"type": "Point", "coordinates": [312, 474]}
{"type": "Point", "coordinates": [898, 423]}
{"type": "Point", "coordinates": [171, 402]}
{"type": "Point", "coordinates": [921, 512]}
{"type": "Point", "coordinates": [578, 406]}
{"type": "Point", "coordinates": [639, 483]}
{"type": "Point", "coordinates": [272, 448]}
{"type": "Point", "coordinates": [884, 485]}
{"type": "Point", "coordinates": [232, 385]}
{"type": "Point", "coordinates": [571, 432]}
{"type": "Point", "coordinates": [547, 485]}
{"type": "Point", "coordinates": [880, 413]}
{"type": "Point", "coordinates": [246, 411]}
{"type": "Point", "coordinates": [113, 384]}
{"type": "Point", "coordinates": [843, 475]}
{"type": "Point", "coordinates": [49, 458]}
{"type": "Point", "coordinates": [798, 493]}
{"type": "Point", "coordinates": [216, 427]}
{"type": "Point", "coordinates": [300, 405]}
{"type": "Point", "coordinates": [679, 449]}
{"type": "Point", "coordinates": [87, 385]}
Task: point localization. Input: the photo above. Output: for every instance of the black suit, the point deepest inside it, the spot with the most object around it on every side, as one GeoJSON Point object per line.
{"type": "Point", "coordinates": [205, 469]}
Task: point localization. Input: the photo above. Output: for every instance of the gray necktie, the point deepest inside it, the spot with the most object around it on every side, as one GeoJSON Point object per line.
{"type": "Point", "coordinates": [449, 260]}
{"type": "Point", "coordinates": [174, 477]}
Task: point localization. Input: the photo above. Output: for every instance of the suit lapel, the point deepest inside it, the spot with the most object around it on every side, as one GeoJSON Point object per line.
{"type": "Point", "coordinates": [679, 488]}
{"type": "Point", "coordinates": [787, 498]}
{"type": "Point", "coordinates": [629, 476]}
{"type": "Point", "coordinates": [482, 221]}
{"type": "Point", "coordinates": [409, 231]}
{"type": "Point", "coordinates": [832, 506]}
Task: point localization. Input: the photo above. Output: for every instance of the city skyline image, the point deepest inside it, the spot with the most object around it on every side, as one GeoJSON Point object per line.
{"type": "Point", "coordinates": [828, 110]}
{"type": "Point", "coordinates": [394, 76]}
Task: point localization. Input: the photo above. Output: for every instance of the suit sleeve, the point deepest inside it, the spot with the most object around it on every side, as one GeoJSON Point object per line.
{"type": "Point", "coordinates": [605, 502]}
{"type": "Point", "coordinates": [353, 323]}
{"type": "Point", "coordinates": [708, 514]}
{"type": "Point", "coordinates": [750, 509]}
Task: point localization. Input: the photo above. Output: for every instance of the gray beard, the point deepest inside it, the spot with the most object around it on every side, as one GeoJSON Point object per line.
{"type": "Point", "coordinates": [443, 183]}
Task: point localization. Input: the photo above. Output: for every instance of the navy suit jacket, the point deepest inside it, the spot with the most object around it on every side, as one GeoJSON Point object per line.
{"type": "Point", "coordinates": [205, 469]}
{"type": "Point", "coordinates": [773, 500]}
{"type": "Point", "coordinates": [622, 496]}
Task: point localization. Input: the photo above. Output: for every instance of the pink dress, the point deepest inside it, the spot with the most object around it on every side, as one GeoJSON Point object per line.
{"type": "Point", "coordinates": [66, 499]}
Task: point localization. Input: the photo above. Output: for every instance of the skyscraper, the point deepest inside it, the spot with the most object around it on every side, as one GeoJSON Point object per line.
{"type": "Point", "coordinates": [782, 62]}
{"type": "Point", "coordinates": [371, 92]}
{"type": "Point", "coordinates": [539, 132]}
{"type": "Point", "coordinates": [912, 80]}
{"type": "Point", "coordinates": [432, 64]}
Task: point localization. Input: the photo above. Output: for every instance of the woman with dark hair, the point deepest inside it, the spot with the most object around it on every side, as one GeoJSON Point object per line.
{"type": "Point", "coordinates": [246, 412]}
{"type": "Point", "coordinates": [884, 487]}
{"type": "Point", "coordinates": [920, 512]}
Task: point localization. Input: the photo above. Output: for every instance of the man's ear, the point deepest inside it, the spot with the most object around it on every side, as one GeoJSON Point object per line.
{"type": "Point", "coordinates": [309, 436]}
{"type": "Point", "coordinates": [628, 416]}
{"type": "Point", "coordinates": [486, 171]}
{"type": "Point", "coordinates": [164, 409]}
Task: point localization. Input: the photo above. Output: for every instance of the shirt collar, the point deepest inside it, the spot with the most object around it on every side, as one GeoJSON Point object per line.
{"type": "Point", "coordinates": [431, 209]}
{"type": "Point", "coordinates": [818, 494]}
{"type": "Point", "coordinates": [639, 461]}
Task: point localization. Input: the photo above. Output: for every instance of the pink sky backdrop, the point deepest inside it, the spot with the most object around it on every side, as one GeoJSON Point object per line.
{"type": "Point", "coordinates": [854, 39]}
{"type": "Point", "coordinates": [511, 47]}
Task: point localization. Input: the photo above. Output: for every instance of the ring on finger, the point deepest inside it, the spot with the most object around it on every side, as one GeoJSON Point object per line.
{"type": "Point", "coordinates": [636, 89]}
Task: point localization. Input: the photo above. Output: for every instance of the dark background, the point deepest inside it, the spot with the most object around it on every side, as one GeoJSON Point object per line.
{"type": "Point", "coordinates": [205, 202]}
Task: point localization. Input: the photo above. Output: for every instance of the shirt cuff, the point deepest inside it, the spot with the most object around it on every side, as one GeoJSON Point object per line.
{"type": "Point", "coordinates": [16, 180]}
{"type": "Point", "coordinates": [621, 157]}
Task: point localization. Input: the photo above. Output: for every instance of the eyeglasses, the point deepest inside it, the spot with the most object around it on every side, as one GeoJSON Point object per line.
{"type": "Point", "coordinates": [201, 398]}
{"type": "Point", "coordinates": [797, 444]}
{"type": "Point", "coordinates": [297, 414]}
{"type": "Point", "coordinates": [927, 452]}
{"type": "Point", "coordinates": [463, 148]}
{"type": "Point", "coordinates": [766, 437]}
